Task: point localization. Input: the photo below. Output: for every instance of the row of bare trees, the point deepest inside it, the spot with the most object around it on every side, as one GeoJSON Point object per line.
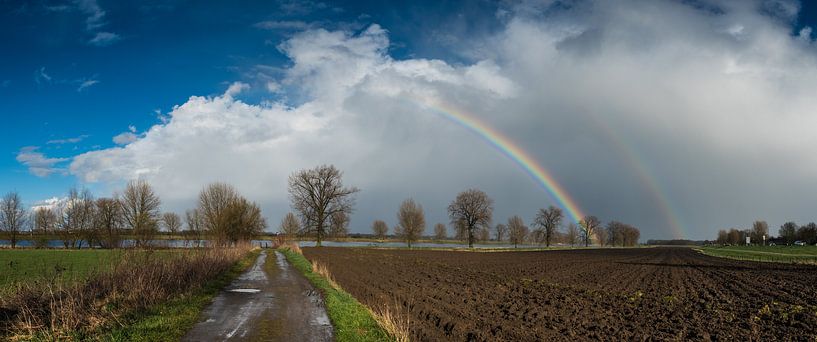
{"type": "Point", "coordinates": [82, 220]}
{"type": "Point", "coordinates": [321, 200]}
{"type": "Point", "coordinates": [222, 214]}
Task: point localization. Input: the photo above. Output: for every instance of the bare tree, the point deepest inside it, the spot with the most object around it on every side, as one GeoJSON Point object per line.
{"type": "Point", "coordinates": [501, 232]}
{"type": "Point", "coordinates": [472, 209]}
{"type": "Point", "coordinates": [411, 220]}
{"type": "Point", "coordinates": [108, 222]}
{"type": "Point", "coordinates": [589, 225]}
{"type": "Point", "coordinates": [227, 216]}
{"type": "Point", "coordinates": [317, 194]}
{"type": "Point", "coordinates": [140, 211]}
{"type": "Point", "coordinates": [339, 225]}
{"type": "Point", "coordinates": [12, 216]}
{"type": "Point", "coordinates": [440, 232]}
{"type": "Point", "coordinates": [172, 222]}
{"type": "Point", "coordinates": [517, 231]}
{"type": "Point", "coordinates": [549, 219]}
{"type": "Point", "coordinates": [572, 235]}
{"type": "Point", "coordinates": [77, 218]}
{"type": "Point", "coordinates": [380, 229]}
{"type": "Point", "coordinates": [194, 225]}
{"type": "Point", "coordinates": [45, 222]}
{"type": "Point", "coordinates": [760, 230]}
{"type": "Point", "coordinates": [631, 235]}
{"type": "Point", "coordinates": [290, 226]}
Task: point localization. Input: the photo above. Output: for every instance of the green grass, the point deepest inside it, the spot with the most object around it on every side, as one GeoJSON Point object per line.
{"type": "Point", "coordinates": [25, 265]}
{"type": "Point", "coordinates": [785, 254]}
{"type": "Point", "coordinates": [63, 266]}
{"type": "Point", "coordinates": [351, 320]}
{"type": "Point", "coordinates": [166, 322]}
{"type": "Point", "coordinates": [171, 320]}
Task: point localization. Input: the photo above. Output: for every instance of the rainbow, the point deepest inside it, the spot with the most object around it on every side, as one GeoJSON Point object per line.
{"type": "Point", "coordinates": [511, 150]}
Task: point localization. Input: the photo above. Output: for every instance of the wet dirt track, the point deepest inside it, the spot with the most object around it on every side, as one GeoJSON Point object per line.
{"type": "Point", "coordinates": [269, 302]}
{"type": "Point", "coordinates": [609, 294]}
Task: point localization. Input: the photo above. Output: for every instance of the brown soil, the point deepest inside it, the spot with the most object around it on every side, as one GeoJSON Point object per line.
{"type": "Point", "coordinates": [611, 294]}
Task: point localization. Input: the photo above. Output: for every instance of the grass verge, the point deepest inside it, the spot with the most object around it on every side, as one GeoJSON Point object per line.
{"type": "Point", "coordinates": [782, 254]}
{"type": "Point", "coordinates": [171, 320]}
{"type": "Point", "coordinates": [145, 297]}
{"type": "Point", "coordinates": [352, 321]}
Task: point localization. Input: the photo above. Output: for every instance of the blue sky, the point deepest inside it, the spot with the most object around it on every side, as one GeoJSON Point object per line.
{"type": "Point", "coordinates": [76, 74]}
{"type": "Point", "coordinates": [164, 52]}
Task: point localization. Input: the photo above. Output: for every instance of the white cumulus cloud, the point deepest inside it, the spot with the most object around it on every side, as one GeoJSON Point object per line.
{"type": "Point", "coordinates": [671, 113]}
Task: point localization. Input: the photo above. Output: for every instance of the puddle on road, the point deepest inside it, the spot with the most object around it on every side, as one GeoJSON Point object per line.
{"type": "Point", "coordinates": [245, 290]}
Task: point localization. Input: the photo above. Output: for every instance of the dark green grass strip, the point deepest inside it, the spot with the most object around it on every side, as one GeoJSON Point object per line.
{"type": "Point", "coordinates": [351, 320]}
{"type": "Point", "coordinates": [795, 255]}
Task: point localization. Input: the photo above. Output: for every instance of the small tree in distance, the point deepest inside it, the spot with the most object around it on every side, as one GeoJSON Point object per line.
{"type": "Point", "coordinates": [45, 222]}
{"type": "Point", "coordinates": [517, 231]}
{"type": "Point", "coordinates": [109, 222]}
{"type": "Point", "coordinates": [316, 195]}
{"type": "Point", "coordinates": [339, 225]}
{"type": "Point", "coordinates": [572, 235]}
{"type": "Point", "coordinates": [140, 210]}
{"type": "Point", "coordinates": [411, 220]}
{"type": "Point", "coordinates": [12, 216]}
{"type": "Point", "coordinates": [760, 229]}
{"type": "Point", "coordinates": [290, 226]}
{"type": "Point", "coordinates": [501, 232]}
{"type": "Point", "coordinates": [172, 222]}
{"type": "Point", "coordinates": [380, 229]}
{"type": "Point", "coordinates": [440, 232]}
{"type": "Point", "coordinates": [788, 231]}
{"type": "Point", "coordinates": [472, 209]}
{"type": "Point", "coordinates": [549, 219]}
{"type": "Point", "coordinates": [589, 225]}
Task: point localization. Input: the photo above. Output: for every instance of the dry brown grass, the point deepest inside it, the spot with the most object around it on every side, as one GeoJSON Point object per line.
{"type": "Point", "coordinates": [323, 271]}
{"type": "Point", "coordinates": [292, 246]}
{"type": "Point", "coordinates": [141, 279]}
{"type": "Point", "coordinates": [394, 322]}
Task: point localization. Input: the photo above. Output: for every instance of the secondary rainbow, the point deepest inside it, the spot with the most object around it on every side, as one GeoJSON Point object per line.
{"type": "Point", "coordinates": [511, 150]}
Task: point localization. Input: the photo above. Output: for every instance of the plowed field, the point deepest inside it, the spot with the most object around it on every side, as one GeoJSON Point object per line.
{"type": "Point", "coordinates": [612, 294]}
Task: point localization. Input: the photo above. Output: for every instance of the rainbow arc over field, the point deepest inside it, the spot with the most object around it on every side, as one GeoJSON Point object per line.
{"type": "Point", "coordinates": [508, 148]}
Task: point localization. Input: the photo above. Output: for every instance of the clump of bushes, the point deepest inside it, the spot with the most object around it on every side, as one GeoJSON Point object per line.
{"type": "Point", "coordinates": [138, 281]}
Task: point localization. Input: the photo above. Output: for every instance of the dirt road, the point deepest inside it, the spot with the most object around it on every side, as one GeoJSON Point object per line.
{"type": "Point", "coordinates": [269, 302]}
